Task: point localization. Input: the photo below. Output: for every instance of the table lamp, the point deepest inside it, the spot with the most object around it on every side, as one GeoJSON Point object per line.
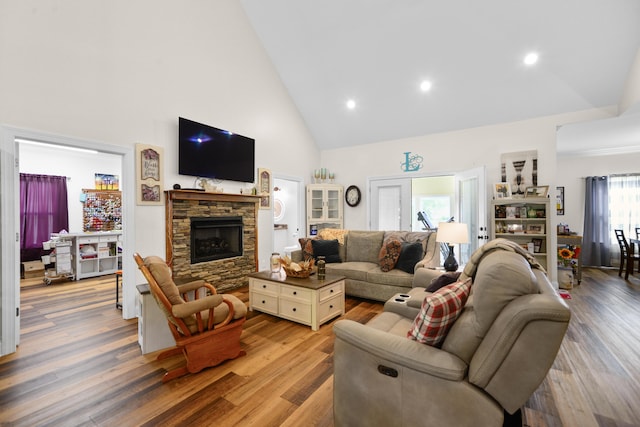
{"type": "Point", "coordinates": [452, 233]}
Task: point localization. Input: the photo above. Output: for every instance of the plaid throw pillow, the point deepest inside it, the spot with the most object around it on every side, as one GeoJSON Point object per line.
{"type": "Point", "coordinates": [438, 313]}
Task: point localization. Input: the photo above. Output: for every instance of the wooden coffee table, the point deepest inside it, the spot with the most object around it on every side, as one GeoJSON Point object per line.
{"type": "Point", "coordinates": [308, 301]}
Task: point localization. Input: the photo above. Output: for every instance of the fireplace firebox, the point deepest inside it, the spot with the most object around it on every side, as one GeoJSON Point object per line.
{"type": "Point", "coordinates": [214, 238]}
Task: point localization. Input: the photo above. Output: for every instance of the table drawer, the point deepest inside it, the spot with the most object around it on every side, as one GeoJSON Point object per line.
{"type": "Point", "coordinates": [295, 292]}
{"type": "Point", "coordinates": [331, 308]}
{"type": "Point", "coordinates": [295, 310]}
{"type": "Point", "coordinates": [264, 302]}
{"type": "Point", "coordinates": [330, 291]}
{"type": "Point", "coordinates": [108, 238]}
{"type": "Point", "coordinates": [264, 286]}
{"type": "Point", "coordinates": [85, 240]}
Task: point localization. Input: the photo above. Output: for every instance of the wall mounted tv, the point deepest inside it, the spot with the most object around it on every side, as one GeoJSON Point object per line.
{"type": "Point", "coordinates": [209, 152]}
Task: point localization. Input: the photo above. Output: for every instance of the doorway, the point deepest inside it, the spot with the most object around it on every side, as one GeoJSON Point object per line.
{"type": "Point", "coordinates": [395, 203]}
{"type": "Point", "coordinates": [288, 219]}
{"type": "Point", "coordinates": [10, 224]}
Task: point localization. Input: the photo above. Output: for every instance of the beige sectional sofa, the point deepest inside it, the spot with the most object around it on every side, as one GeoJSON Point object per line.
{"type": "Point", "coordinates": [360, 252]}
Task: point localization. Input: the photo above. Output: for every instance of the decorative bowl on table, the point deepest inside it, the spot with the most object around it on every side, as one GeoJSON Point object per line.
{"type": "Point", "coordinates": [299, 270]}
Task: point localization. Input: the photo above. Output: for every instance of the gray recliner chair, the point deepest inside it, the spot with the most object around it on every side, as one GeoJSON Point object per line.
{"type": "Point", "coordinates": [493, 358]}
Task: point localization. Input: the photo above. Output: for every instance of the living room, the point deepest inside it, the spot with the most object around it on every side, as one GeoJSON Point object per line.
{"type": "Point", "coordinates": [91, 72]}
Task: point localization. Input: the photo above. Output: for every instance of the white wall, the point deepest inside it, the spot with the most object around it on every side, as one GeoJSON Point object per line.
{"type": "Point", "coordinates": [56, 161]}
{"type": "Point", "coordinates": [122, 73]}
{"type": "Point", "coordinates": [452, 152]}
{"type": "Point", "coordinates": [573, 170]}
{"type": "Point", "coordinates": [631, 94]}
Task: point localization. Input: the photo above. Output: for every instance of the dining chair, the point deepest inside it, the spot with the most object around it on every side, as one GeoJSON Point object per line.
{"type": "Point", "coordinates": [638, 233]}
{"type": "Point", "coordinates": [626, 256]}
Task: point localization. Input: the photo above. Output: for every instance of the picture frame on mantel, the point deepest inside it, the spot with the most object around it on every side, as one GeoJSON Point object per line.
{"type": "Point", "coordinates": [149, 172]}
{"type": "Point", "coordinates": [264, 188]}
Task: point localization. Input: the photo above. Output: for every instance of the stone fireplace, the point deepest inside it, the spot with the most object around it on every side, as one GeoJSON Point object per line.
{"type": "Point", "coordinates": [212, 236]}
{"type": "Point", "coordinates": [215, 238]}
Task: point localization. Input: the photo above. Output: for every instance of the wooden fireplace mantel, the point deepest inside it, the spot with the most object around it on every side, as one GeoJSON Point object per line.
{"type": "Point", "coordinates": [203, 195]}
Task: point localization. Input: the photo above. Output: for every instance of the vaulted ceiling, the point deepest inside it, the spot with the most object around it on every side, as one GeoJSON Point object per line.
{"type": "Point", "coordinates": [376, 53]}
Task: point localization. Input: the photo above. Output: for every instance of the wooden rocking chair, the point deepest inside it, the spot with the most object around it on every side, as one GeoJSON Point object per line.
{"type": "Point", "coordinates": [206, 325]}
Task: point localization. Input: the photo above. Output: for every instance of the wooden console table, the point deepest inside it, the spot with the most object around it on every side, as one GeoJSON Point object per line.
{"type": "Point", "coordinates": [575, 241]}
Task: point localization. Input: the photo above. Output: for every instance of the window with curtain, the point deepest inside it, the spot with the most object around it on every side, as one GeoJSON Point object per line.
{"type": "Point", "coordinates": [43, 210]}
{"type": "Point", "coordinates": [624, 207]}
{"type": "Point", "coordinates": [596, 241]}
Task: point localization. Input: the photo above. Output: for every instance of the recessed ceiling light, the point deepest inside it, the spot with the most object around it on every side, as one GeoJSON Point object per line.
{"type": "Point", "coordinates": [351, 104]}
{"type": "Point", "coordinates": [531, 58]}
{"type": "Point", "coordinates": [425, 86]}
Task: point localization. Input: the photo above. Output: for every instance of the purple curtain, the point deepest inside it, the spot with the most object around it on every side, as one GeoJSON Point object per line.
{"type": "Point", "coordinates": [43, 210]}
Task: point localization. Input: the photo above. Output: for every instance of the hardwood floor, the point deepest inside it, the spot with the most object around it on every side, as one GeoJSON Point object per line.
{"type": "Point", "coordinates": [79, 363]}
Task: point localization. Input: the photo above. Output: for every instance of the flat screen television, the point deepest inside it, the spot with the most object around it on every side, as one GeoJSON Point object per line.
{"type": "Point", "coordinates": [208, 152]}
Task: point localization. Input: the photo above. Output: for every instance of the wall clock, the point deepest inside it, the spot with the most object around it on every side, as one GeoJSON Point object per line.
{"type": "Point", "coordinates": [352, 196]}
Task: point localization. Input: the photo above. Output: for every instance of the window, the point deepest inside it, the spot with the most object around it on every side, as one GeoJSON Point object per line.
{"type": "Point", "coordinates": [438, 208]}
{"type": "Point", "coordinates": [624, 205]}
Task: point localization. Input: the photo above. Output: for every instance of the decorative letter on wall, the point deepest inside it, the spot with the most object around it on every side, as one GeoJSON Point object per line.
{"type": "Point", "coordinates": [412, 162]}
{"type": "Point", "coordinates": [149, 175]}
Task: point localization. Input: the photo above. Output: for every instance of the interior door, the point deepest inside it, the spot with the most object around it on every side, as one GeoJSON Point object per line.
{"type": "Point", "coordinates": [390, 207]}
{"type": "Point", "coordinates": [390, 204]}
{"type": "Point", "coordinates": [471, 197]}
{"type": "Point", "coordinates": [9, 244]}
{"type": "Point", "coordinates": [288, 213]}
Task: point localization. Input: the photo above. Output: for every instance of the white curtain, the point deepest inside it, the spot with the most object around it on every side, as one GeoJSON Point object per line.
{"type": "Point", "coordinates": [624, 207]}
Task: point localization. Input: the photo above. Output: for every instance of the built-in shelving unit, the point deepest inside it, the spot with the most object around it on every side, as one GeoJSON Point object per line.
{"type": "Point", "coordinates": [526, 222]}
{"type": "Point", "coordinates": [324, 207]}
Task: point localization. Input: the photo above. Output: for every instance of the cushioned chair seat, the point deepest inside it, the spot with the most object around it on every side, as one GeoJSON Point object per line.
{"type": "Point", "coordinates": [391, 322]}
{"type": "Point", "coordinates": [393, 277]}
{"type": "Point", "coordinates": [205, 325]}
{"type": "Point", "coordinates": [351, 270]}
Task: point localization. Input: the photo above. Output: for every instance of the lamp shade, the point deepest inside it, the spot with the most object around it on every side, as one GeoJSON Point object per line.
{"type": "Point", "coordinates": [452, 232]}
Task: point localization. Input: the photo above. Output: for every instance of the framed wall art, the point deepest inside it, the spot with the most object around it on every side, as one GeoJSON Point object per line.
{"type": "Point", "coordinates": [264, 188]}
{"type": "Point", "coordinates": [149, 170]}
{"type": "Point", "coordinates": [106, 181]}
{"type": "Point", "coordinates": [560, 200]}
{"type": "Point", "coordinates": [520, 170]}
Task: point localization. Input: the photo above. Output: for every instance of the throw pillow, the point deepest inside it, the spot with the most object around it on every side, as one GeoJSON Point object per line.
{"type": "Point", "coordinates": [410, 255]}
{"type": "Point", "coordinates": [438, 313]}
{"type": "Point", "coordinates": [307, 248]}
{"type": "Point", "coordinates": [333, 233]}
{"type": "Point", "coordinates": [364, 246]}
{"type": "Point", "coordinates": [329, 249]}
{"type": "Point", "coordinates": [442, 280]}
{"type": "Point", "coordinates": [389, 254]}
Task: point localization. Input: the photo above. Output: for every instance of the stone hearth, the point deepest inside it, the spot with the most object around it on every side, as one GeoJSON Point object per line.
{"type": "Point", "coordinates": [224, 274]}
